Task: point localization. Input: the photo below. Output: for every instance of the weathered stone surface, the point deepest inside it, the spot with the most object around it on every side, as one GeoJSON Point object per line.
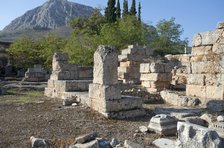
{"type": "Point", "coordinates": [91, 144]}
{"type": "Point", "coordinates": [182, 116]}
{"type": "Point", "coordinates": [206, 38]}
{"type": "Point", "coordinates": [205, 92]}
{"type": "Point", "coordinates": [145, 68]}
{"type": "Point", "coordinates": [157, 84]}
{"type": "Point", "coordinates": [38, 142]}
{"type": "Point", "coordinates": [125, 114]}
{"type": "Point", "coordinates": [178, 100]}
{"type": "Point", "coordinates": [60, 56]}
{"type": "Point", "coordinates": [219, 128]}
{"type": "Point", "coordinates": [105, 65]}
{"type": "Point", "coordinates": [164, 143]}
{"type": "Point", "coordinates": [209, 67]}
{"type": "Point", "coordinates": [157, 67]}
{"type": "Point", "coordinates": [125, 103]}
{"type": "Point", "coordinates": [201, 50]}
{"type": "Point", "coordinates": [216, 105]}
{"type": "Point", "coordinates": [196, 79]}
{"type": "Point", "coordinates": [220, 25]}
{"type": "Point", "coordinates": [191, 135]}
{"type": "Point", "coordinates": [130, 144]}
{"type": "Point", "coordinates": [69, 101]}
{"type": "Point", "coordinates": [103, 143]}
{"type": "Point", "coordinates": [86, 138]}
{"type": "Point", "coordinates": [105, 92]}
{"type": "Point", "coordinates": [163, 124]}
{"type": "Point", "coordinates": [156, 77]}
{"type": "Point", "coordinates": [209, 118]}
{"type": "Point", "coordinates": [218, 48]}
{"type": "Point", "coordinates": [220, 118]}
{"type": "Point", "coordinates": [129, 64]}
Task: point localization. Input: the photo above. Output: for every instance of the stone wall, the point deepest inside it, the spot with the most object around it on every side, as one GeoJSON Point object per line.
{"type": "Point", "coordinates": [104, 93]}
{"type": "Point", "coordinates": [67, 77]}
{"type": "Point", "coordinates": [129, 61]}
{"type": "Point", "coordinates": [155, 76]}
{"type": "Point", "coordinates": [36, 74]}
{"type": "Point", "coordinates": [207, 65]}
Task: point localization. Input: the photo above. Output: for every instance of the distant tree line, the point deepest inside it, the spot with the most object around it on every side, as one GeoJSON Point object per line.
{"type": "Point", "coordinates": [117, 27]}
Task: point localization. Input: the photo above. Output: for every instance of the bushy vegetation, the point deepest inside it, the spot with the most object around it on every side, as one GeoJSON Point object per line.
{"type": "Point", "coordinates": [112, 28]}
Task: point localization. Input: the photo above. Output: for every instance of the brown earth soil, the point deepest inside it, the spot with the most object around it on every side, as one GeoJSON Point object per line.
{"type": "Point", "coordinates": [28, 113]}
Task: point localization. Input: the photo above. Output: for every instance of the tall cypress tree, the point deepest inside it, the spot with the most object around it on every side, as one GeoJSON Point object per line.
{"type": "Point", "coordinates": [139, 12]}
{"type": "Point", "coordinates": [125, 8]}
{"type": "Point", "coordinates": [118, 10]}
{"type": "Point", "coordinates": [110, 11]}
{"type": "Point", "coordinates": [133, 8]}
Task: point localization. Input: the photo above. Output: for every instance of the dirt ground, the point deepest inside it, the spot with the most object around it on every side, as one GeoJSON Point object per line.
{"type": "Point", "coordinates": [28, 113]}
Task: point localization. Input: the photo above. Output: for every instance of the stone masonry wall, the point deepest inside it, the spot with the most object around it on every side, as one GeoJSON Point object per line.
{"type": "Point", "coordinates": [67, 77]}
{"type": "Point", "coordinates": [129, 61]}
{"type": "Point", "coordinates": [207, 65]}
{"type": "Point", "coordinates": [155, 76]}
{"type": "Point", "coordinates": [104, 93]}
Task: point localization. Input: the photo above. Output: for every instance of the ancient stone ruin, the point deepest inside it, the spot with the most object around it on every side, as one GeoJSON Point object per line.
{"type": "Point", "coordinates": [36, 74]}
{"type": "Point", "coordinates": [129, 61]}
{"type": "Point", "coordinates": [104, 93]}
{"type": "Point", "coordinates": [67, 79]}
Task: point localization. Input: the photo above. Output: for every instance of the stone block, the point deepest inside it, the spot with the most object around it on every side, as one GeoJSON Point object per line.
{"type": "Point", "coordinates": [77, 85]}
{"type": "Point", "coordinates": [105, 65]}
{"type": "Point", "coordinates": [157, 67]}
{"type": "Point", "coordinates": [210, 67]}
{"type": "Point", "coordinates": [219, 127]}
{"type": "Point", "coordinates": [156, 77]}
{"type": "Point", "coordinates": [85, 73]}
{"type": "Point", "coordinates": [191, 135]}
{"type": "Point", "coordinates": [209, 118]}
{"type": "Point", "coordinates": [196, 79]}
{"type": "Point", "coordinates": [91, 144]}
{"type": "Point", "coordinates": [218, 48]}
{"type": "Point", "coordinates": [163, 124]}
{"type": "Point", "coordinates": [206, 38]}
{"type": "Point", "coordinates": [201, 50]}
{"type": "Point", "coordinates": [145, 68]}
{"type": "Point", "coordinates": [86, 138]}
{"type": "Point", "coordinates": [104, 92]}
{"type": "Point", "coordinates": [164, 143]}
{"type": "Point", "coordinates": [129, 64]}
{"type": "Point", "coordinates": [125, 103]}
{"type": "Point", "coordinates": [126, 114]}
{"type": "Point", "coordinates": [220, 25]}
{"type": "Point", "coordinates": [123, 69]}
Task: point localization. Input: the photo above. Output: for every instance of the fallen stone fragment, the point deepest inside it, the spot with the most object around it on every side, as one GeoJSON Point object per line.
{"type": "Point", "coordinates": [163, 124]}
{"type": "Point", "coordinates": [220, 118]}
{"type": "Point", "coordinates": [103, 143]}
{"type": "Point", "coordinates": [209, 118]}
{"type": "Point", "coordinates": [114, 142]}
{"type": "Point", "coordinates": [69, 101]}
{"type": "Point", "coordinates": [143, 129]}
{"type": "Point", "coordinates": [91, 144]}
{"type": "Point", "coordinates": [196, 136]}
{"type": "Point", "coordinates": [38, 142]}
{"type": "Point", "coordinates": [164, 143]}
{"type": "Point", "coordinates": [130, 144]}
{"type": "Point", "coordinates": [86, 138]}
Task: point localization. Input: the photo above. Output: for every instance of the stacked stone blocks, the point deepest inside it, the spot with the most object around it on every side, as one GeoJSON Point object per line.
{"type": "Point", "coordinates": [206, 78]}
{"type": "Point", "coordinates": [130, 60]}
{"type": "Point", "coordinates": [155, 76]}
{"type": "Point", "coordinates": [67, 77]}
{"type": "Point", "coordinates": [104, 92]}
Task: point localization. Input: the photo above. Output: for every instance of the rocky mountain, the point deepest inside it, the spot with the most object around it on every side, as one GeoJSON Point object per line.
{"type": "Point", "coordinates": [53, 14]}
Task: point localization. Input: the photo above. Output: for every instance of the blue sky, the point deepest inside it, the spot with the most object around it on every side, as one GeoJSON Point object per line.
{"type": "Point", "coordinates": [194, 15]}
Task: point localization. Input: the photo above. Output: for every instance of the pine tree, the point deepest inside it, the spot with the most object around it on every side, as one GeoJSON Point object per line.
{"type": "Point", "coordinates": [125, 8]}
{"type": "Point", "coordinates": [139, 12]}
{"type": "Point", "coordinates": [133, 8]}
{"type": "Point", "coordinates": [118, 10]}
{"type": "Point", "coordinates": [110, 11]}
